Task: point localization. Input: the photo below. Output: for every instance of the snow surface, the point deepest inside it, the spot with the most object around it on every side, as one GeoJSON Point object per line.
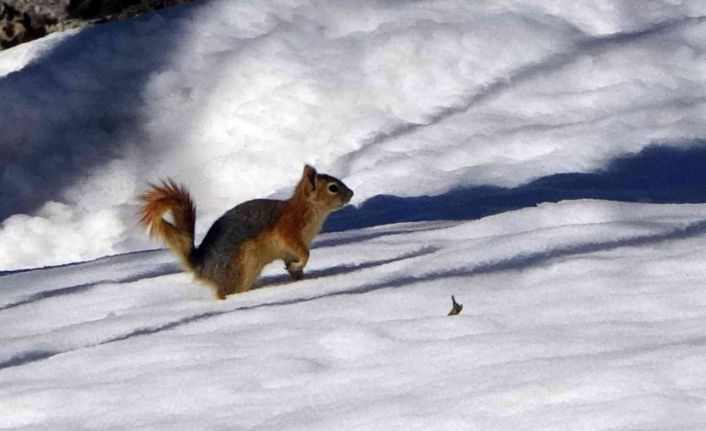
{"type": "Point", "coordinates": [400, 98]}
{"type": "Point", "coordinates": [581, 315]}
{"type": "Point", "coordinates": [484, 125]}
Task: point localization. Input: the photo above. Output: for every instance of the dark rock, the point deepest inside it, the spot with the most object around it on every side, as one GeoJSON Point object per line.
{"type": "Point", "coordinates": [51, 10]}
{"type": "Point", "coordinates": [17, 26]}
{"type": "Point", "coordinates": [25, 20]}
{"type": "Point", "coordinates": [115, 9]}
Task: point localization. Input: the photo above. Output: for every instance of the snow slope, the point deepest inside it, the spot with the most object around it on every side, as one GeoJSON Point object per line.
{"type": "Point", "coordinates": [582, 315]}
{"type": "Point", "coordinates": [483, 125]}
{"type": "Point", "coordinates": [400, 98]}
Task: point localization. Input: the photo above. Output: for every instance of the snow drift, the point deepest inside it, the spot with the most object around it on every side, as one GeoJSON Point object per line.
{"type": "Point", "coordinates": [471, 119]}
{"type": "Point", "coordinates": [398, 98]}
{"type": "Point", "coordinates": [582, 315]}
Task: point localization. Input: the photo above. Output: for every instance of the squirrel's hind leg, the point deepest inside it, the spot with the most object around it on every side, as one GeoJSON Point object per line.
{"type": "Point", "coordinates": [222, 276]}
{"type": "Point", "coordinates": [249, 264]}
{"type": "Point", "coordinates": [230, 286]}
{"type": "Point", "coordinates": [219, 286]}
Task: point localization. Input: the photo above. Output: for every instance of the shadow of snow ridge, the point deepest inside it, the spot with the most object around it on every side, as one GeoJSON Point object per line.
{"type": "Point", "coordinates": [164, 269]}
{"type": "Point", "coordinates": [527, 260]}
{"type": "Point", "coordinates": [658, 174]}
{"type": "Point", "coordinates": [342, 269]}
{"type": "Point", "coordinates": [526, 72]}
{"type": "Point", "coordinates": [28, 357]}
{"type": "Point", "coordinates": [79, 106]}
{"type": "Point", "coordinates": [514, 263]}
{"type": "Point", "coordinates": [518, 262]}
{"type": "Point", "coordinates": [41, 354]}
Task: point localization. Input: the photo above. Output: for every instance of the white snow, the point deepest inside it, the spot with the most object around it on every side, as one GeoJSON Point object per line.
{"type": "Point", "coordinates": [577, 315]}
{"type": "Point", "coordinates": [582, 314]}
{"type": "Point", "coordinates": [19, 57]}
{"type": "Point", "coordinates": [402, 98]}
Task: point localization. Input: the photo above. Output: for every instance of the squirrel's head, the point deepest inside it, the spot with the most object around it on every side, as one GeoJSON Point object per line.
{"type": "Point", "coordinates": [324, 190]}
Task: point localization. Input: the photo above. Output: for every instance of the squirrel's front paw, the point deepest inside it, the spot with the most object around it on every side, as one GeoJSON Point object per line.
{"type": "Point", "coordinates": [295, 271]}
{"type": "Point", "coordinates": [296, 274]}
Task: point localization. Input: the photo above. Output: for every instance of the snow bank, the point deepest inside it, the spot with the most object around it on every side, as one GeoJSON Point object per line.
{"type": "Point", "coordinates": [582, 315]}
{"type": "Point", "coordinates": [403, 98]}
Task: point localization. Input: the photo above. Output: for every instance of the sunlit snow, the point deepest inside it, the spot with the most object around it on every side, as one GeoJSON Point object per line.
{"type": "Point", "coordinates": [540, 161]}
{"type": "Point", "coordinates": [579, 315]}
{"type": "Point", "coordinates": [404, 98]}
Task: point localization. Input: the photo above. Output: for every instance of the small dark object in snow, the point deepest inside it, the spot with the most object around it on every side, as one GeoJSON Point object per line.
{"type": "Point", "coordinates": [455, 307]}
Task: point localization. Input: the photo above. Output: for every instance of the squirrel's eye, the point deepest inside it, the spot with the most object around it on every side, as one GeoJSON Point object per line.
{"type": "Point", "coordinates": [333, 188]}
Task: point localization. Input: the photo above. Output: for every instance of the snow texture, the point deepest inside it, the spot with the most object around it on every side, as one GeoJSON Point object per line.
{"type": "Point", "coordinates": [540, 161]}
{"type": "Point", "coordinates": [582, 315]}
{"type": "Point", "coordinates": [405, 98]}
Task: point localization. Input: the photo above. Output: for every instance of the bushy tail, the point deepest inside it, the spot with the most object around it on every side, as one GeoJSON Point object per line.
{"type": "Point", "coordinates": [179, 236]}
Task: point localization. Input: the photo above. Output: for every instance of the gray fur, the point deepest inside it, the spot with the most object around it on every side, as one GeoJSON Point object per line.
{"type": "Point", "coordinates": [215, 256]}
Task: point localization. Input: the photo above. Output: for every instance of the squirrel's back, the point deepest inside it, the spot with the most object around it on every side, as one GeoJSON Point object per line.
{"type": "Point", "coordinates": [215, 255]}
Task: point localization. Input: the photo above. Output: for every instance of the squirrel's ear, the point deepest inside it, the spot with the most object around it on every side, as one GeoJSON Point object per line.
{"type": "Point", "coordinates": [310, 175]}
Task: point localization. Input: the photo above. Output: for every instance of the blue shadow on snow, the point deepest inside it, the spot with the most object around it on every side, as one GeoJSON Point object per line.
{"type": "Point", "coordinates": [658, 174]}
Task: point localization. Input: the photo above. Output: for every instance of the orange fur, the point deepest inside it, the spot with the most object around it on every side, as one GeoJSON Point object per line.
{"type": "Point", "coordinates": [178, 236]}
{"type": "Point", "coordinates": [303, 215]}
{"type": "Point", "coordinates": [287, 237]}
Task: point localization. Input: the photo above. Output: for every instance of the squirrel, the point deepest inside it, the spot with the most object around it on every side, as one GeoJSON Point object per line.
{"type": "Point", "coordinates": [248, 236]}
